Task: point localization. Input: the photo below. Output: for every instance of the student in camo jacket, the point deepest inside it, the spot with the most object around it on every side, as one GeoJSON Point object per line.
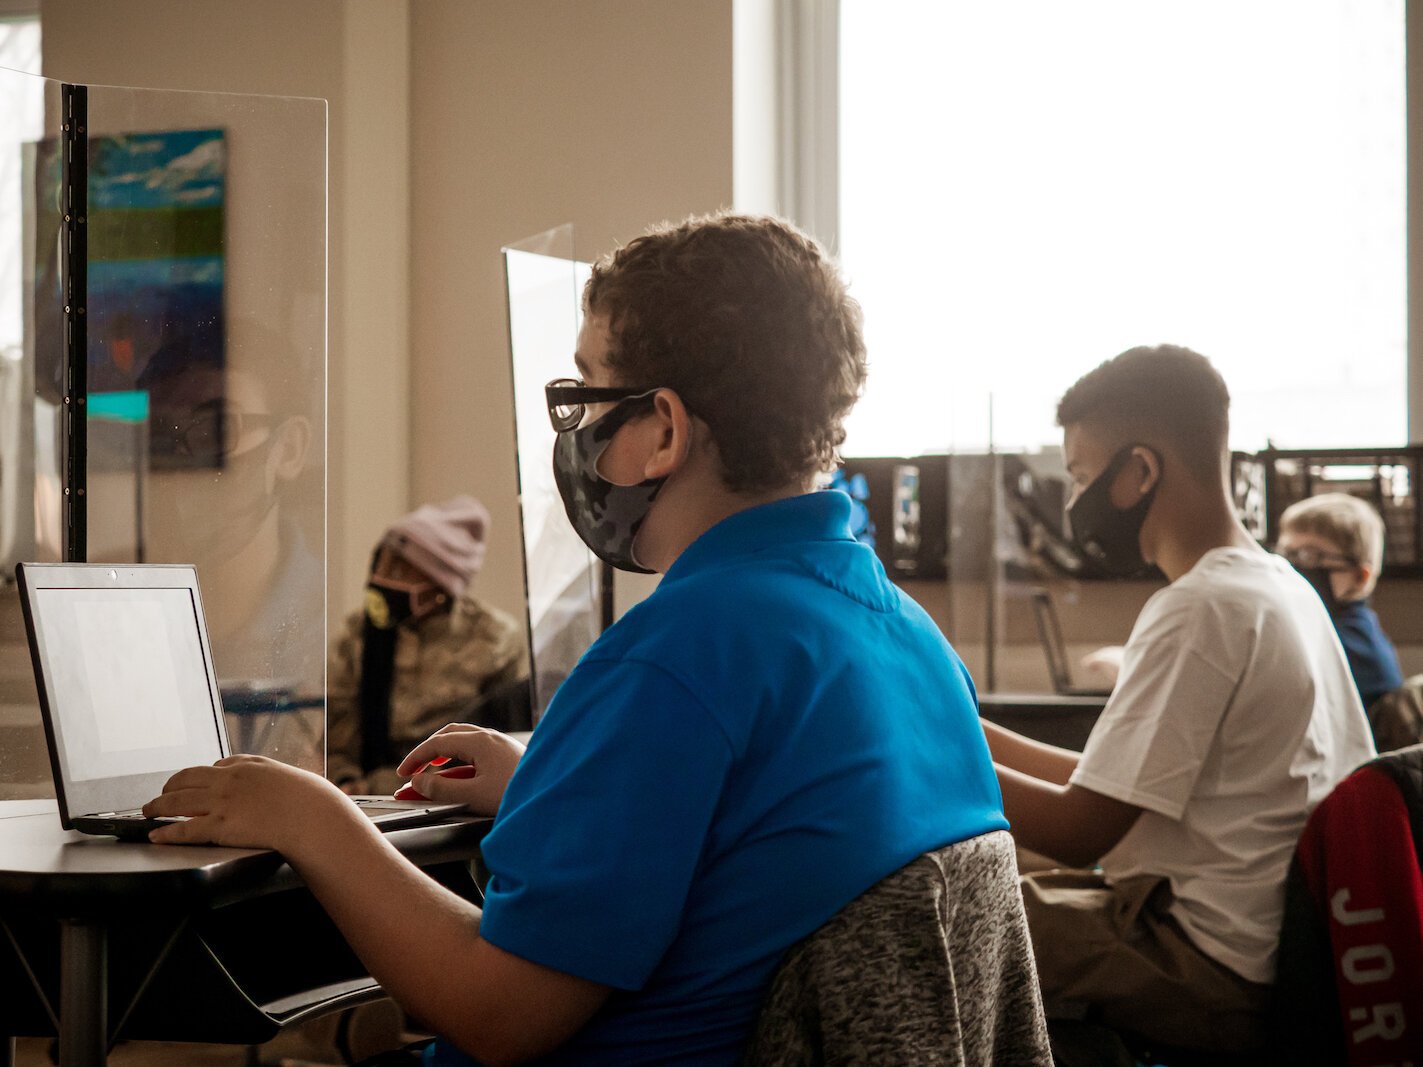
{"type": "Point", "coordinates": [423, 652]}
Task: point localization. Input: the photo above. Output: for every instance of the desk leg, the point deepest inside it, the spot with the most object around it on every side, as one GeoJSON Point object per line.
{"type": "Point", "coordinates": [83, 994]}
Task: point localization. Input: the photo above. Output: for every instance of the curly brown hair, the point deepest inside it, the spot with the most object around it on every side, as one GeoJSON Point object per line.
{"type": "Point", "coordinates": [749, 321]}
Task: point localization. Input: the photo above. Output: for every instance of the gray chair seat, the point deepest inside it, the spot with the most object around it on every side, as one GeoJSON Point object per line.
{"type": "Point", "coordinates": [932, 966]}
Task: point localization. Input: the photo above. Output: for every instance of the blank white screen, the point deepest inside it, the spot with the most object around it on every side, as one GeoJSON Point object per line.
{"type": "Point", "coordinates": [128, 685]}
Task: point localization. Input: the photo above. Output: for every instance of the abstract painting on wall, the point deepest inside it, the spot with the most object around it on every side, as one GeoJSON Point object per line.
{"type": "Point", "coordinates": [155, 268]}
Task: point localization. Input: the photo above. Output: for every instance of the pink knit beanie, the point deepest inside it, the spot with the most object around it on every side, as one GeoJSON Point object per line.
{"type": "Point", "coordinates": [446, 541]}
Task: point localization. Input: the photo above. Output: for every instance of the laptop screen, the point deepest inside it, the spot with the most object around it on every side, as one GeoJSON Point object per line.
{"type": "Point", "coordinates": [125, 679]}
{"type": "Point", "coordinates": [131, 691]}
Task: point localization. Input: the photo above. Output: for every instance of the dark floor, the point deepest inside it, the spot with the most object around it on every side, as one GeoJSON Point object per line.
{"type": "Point", "coordinates": [34, 1052]}
{"type": "Point", "coordinates": [373, 1029]}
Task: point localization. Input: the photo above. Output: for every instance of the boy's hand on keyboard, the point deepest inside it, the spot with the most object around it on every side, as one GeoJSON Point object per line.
{"type": "Point", "coordinates": [461, 764]}
{"type": "Point", "coordinates": [248, 802]}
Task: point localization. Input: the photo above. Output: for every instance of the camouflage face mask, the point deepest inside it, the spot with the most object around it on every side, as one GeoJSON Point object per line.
{"type": "Point", "coordinates": [606, 516]}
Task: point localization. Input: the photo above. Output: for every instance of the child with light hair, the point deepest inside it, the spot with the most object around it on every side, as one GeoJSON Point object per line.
{"type": "Point", "coordinates": [1336, 541]}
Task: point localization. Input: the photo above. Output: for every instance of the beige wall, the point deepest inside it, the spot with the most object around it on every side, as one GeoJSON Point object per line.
{"type": "Point", "coordinates": [608, 114]}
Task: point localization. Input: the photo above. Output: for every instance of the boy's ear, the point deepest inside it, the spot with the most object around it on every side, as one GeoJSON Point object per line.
{"type": "Point", "coordinates": [1151, 460]}
{"type": "Point", "coordinates": [1138, 476]}
{"type": "Point", "coordinates": [293, 442]}
{"type": "Point", "coordinates": [1358, 576]}
{"type": "Point", "coordinates": [673, 439]}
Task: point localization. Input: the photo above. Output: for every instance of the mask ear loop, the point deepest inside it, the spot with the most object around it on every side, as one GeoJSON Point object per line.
{"type": "Point", "coordinates": [632, 549]}
{"type": "Point", "coordinates": [626, 410]}
{"type": "Point", "coordinates": [427, 598]}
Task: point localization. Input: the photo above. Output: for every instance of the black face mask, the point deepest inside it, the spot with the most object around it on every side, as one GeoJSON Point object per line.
{"type": "Point", "coordinates": [605, 516]}
{"type": "Point", "coordinates": [1107, 535]}
{"type": "Point", "coordinates": [391, 602]}
{"type": "Point", "coordinates": [1319, 578]}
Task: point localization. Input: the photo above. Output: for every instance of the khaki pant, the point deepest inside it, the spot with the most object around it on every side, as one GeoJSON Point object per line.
{"type": "Point", "coordinates": [1113, 954]}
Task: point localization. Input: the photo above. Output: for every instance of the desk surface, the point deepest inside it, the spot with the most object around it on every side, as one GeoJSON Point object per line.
{"type": "Point", "coordinates": [68, 868]}
{"type": "Point", "coordinates": [1065, 721]}
{"type": "Point", "coordinates": [1043, 701]}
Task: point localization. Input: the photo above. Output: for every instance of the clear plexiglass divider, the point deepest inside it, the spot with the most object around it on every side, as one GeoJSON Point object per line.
{"type": "Point", "coordinates": [31, 477]}
{"type": "Point", "coordinates": [1026, 608]}
{"type": "Point", "coordinates": [204, 323]}
{"type": "Point", "coordinates": [563, 580]}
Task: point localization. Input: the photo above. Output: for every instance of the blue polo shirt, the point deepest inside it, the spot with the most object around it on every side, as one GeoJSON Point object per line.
{"type": "Point", "coordinates": [1372, 659]}
{"type": "Point", "coordinates": [766, 736]}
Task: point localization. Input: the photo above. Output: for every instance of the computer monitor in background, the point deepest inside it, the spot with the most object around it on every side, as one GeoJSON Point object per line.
{"type": "Point", "coordinates": [562, 578]}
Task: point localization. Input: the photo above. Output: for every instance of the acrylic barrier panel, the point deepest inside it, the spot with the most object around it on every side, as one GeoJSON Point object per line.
{"type": "Point", "coordinates": [1030, 610]}
{"type": "Point", "coordinates": [562, 577]}
{"type": "Point", "coordinates": [31, 483]}
{"type": "Point", "coordinates": [207, 381]}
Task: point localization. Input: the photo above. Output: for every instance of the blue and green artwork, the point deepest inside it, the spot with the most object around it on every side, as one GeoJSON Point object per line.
{"type": "Point", "coordinates": [155, 262]}
{"type": "Point", "coordinates": [155, 251]}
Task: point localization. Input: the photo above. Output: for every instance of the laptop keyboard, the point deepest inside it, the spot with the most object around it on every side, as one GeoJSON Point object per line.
{"type": "Point", "coordinates": [380, 804]}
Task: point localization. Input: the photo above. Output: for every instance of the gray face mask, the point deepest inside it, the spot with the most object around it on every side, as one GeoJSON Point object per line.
{"type": "Point", "coordinates": [606, 516]}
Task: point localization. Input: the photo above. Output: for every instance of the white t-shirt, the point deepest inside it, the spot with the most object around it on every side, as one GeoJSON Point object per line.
{"type": "Point", "coordinates": [1234, 715]}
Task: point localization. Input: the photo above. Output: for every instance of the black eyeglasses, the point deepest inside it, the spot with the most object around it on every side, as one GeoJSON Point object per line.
{"type": "Point", "coordinates": [1315, 557]}
{"type": "Point", "coordinates": [568, 398]}
{"type": "Point", "coordinates": [210, 431]}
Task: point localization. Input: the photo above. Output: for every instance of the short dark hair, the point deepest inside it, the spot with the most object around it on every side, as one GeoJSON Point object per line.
{"type": "Point", "coordinates": [749, 321]}
{"type": "Point", "coordinates": [1161, 392]}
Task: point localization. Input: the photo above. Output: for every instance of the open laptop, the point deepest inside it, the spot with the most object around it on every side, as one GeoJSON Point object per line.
{"type": "Point", "coordinates": [128, 693]}
{"type": "Point", "coordinates": [1050, 634]}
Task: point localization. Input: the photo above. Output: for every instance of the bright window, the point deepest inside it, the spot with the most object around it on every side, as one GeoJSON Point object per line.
{"type": "Point", "coordinates": [1030, 187]}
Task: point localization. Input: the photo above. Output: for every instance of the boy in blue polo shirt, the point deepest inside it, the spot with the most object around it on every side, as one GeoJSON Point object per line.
{"type": "Point", "coordinates": [770, 733]}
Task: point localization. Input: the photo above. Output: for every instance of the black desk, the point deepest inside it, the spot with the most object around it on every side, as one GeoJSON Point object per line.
{"type": "Point", "coordinates": [1055, 720]}
{"type": "Point", "coordinates": [173, 942]}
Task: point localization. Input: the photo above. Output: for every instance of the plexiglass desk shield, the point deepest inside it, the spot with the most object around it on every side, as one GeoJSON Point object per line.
{"type": "Point", "coordinates": [562, 577]}
{"type": "Point", "coordinates": [202, 291]}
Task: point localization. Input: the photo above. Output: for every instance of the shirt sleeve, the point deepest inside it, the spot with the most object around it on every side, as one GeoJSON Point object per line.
{"type": "Point", "coordinates": [604, 824]}
{"type": "Point", "coordinates": [1157, 729]}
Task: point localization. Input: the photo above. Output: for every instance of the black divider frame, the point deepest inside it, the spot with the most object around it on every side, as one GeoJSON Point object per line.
{"type": "Point", "coordinates": [74, 180]}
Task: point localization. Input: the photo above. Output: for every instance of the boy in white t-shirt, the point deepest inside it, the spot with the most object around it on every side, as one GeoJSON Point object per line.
{"type": "Point", "coordinates": [1234, 715]}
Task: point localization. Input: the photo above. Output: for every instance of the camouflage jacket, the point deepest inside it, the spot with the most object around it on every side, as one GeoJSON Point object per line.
{"type": "Point", "coordinates": [444, 665]}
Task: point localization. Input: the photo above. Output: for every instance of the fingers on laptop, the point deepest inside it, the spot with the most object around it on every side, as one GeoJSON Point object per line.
{"type": "Point", "coordinates": [192, 801]}
{"type": "Point", "coordinates": [190, 832]}
{"type": "Point", "coordinates": [188, 778]}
